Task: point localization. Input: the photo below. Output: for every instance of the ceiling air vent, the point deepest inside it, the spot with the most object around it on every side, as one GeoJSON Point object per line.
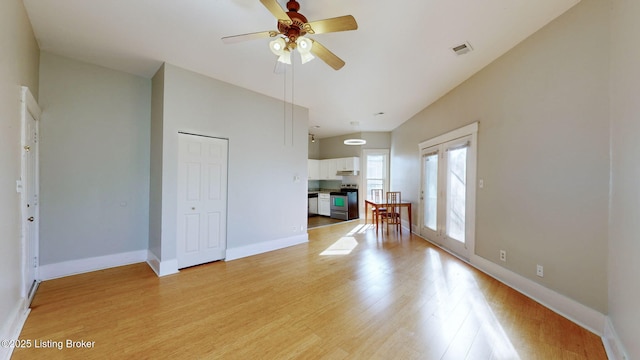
{"type": "Point", "coordinates": [462, 49]}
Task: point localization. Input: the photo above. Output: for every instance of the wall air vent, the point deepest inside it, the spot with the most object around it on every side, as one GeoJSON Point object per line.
{"type": "Point", "coordinates": [462, 49]}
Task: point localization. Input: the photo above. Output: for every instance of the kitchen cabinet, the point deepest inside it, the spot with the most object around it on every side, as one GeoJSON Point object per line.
{"type": "Point", "coordinates": [328, 169]}
{"type": "Point", "coordinates": [313, 167]}
{"type": "Point", "coordinates": [324, 204]}
{"type": "Point", "coordinates": [348, 164]}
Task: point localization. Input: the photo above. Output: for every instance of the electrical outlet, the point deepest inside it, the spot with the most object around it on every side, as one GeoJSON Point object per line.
{"type": "Point", "coordinates": [503, 255]}
{"type": "Point", "coordinates": [540, 270]}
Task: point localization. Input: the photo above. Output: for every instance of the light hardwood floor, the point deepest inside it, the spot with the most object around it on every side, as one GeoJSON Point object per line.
{"type": "Point", "coordinates": [388, 298]}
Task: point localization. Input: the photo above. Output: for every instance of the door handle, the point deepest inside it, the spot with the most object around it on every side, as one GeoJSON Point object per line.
{"type": "Point", "coordinates": [30, 219]}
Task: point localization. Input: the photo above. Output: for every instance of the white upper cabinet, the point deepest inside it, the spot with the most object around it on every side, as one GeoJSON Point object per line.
{"type": "Point", "coordinates": [327, 169]}
{"type": "Point", "coordinates": [348, 164]}
{"type": "Point", "coordinates": [314, 169]}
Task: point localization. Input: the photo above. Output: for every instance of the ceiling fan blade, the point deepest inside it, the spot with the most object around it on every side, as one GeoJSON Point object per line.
{"type": "Point", "coordinates": [327, 56]}
{"type": "Point", "coordinates": [276, 9]}
{"type": "Point", "coordinates": [252, 36]}
{"type": "Point", "coordinates": [341, 23]}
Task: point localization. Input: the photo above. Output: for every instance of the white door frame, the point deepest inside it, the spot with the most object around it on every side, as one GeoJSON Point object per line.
{"type": "Point", "coordinates": [30, 246]}
{"type": "Point", "coordinates": [470, 231]}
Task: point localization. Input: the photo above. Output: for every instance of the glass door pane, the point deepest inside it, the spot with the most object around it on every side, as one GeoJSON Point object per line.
{"type": "Point", "coordinates": [430, 187]}
{"type": "Point", "coordinates": [456, 193]}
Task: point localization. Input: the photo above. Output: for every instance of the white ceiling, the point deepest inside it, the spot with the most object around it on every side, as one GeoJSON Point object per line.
{"type": "Point", "coordinates": [398, 61]}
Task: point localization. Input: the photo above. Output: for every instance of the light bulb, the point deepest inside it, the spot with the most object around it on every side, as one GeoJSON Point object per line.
{"type": "Point", "coordinates": [278, 46]}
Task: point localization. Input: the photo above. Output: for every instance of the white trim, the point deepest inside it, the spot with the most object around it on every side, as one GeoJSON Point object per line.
{"type": "Point", "coordinates": [13, 327]}
{"type": "Point", "coordinates": [451, 135]}
{"type": "Point", "coordinates": [612, 344]}
{"type": "Point", "coordinates": [469, 132]}
{"type": "Point", "coordinates": [73, 267]}
{"type": "Point", "coordinates": [576, 312]}
{"type": "Point", "coordinates": [263, 247]}
{"type": "Point", "coordinates": [162, 268]}
{"type": "Point", "coordinates": [31, 103]}
{"type": "Point", "coordinates": [580, 314]}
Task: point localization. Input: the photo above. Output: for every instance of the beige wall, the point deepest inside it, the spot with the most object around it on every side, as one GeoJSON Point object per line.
{"type": "Point", "coordinates": [543, 153]}
{"type": "Point", "coordinates": [334, 147]}
{"type": "Point", "coordinates": [624, 229]}
{"type": "Point", "coordinates": [19, 56]}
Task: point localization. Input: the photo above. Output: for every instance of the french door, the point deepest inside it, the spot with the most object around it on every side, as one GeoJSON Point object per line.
{"type": "Point", "coordinates": [447, 194]}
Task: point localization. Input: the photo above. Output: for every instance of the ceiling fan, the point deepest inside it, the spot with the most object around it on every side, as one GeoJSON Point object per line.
{"type": "Point", "coordinates": [292, 28]}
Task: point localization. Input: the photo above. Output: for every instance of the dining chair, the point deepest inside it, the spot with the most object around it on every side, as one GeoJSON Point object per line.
{"type": "Point", "coordinates": [392, 215]}
{"type": "Point", "coordinates": [376, 212]}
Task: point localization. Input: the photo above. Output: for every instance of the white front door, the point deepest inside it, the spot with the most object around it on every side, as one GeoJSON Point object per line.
{"type": "Point", "coordinates": [30, 206]}
{"type": "Point", "coordinates": [202, 199]}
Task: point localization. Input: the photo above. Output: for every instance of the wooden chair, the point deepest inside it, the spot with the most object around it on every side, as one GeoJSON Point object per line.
{"type": "Point", "coordinates": [392, 215]}
{"type": "Point", "coordinates": [376, 212]}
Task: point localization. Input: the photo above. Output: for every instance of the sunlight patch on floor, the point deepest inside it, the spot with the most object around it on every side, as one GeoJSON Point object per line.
{"type": "Point", "coordinates": [360, 229]}
{"type": "Point", "coordinates": [457, 278]}
{"type": "Point", "coordinates": [343, 246]}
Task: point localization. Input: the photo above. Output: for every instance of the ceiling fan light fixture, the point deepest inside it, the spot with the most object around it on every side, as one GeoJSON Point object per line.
{"type": "Point", "coordinates": [278, 46]}
{"type": "Point", "coordinates": [304, 46]}
{"type": "Point", "coordinates": [285, 58]}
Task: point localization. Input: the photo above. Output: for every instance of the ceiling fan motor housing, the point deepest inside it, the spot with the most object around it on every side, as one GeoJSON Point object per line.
{"type": "Point", "coordinates": [296, 29]}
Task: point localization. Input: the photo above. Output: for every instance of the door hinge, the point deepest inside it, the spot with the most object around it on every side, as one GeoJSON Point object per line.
{"type": "Point", "coordinates": [35, 261]}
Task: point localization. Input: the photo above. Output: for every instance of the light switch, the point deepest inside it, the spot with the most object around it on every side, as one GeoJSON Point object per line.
{"type": "Point", "coordinates": [481, 183]}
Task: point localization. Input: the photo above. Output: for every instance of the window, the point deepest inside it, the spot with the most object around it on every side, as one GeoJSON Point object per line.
{"type": "Point", "coordinates": [376, 170]}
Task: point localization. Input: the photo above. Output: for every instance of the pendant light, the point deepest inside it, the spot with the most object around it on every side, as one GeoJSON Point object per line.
{"type": "Point", "coordinates": [355, 141]}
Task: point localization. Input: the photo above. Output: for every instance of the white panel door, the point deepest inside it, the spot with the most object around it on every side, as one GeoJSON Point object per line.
{"type": "Point", "coordinates": [202, 199]}
{"type": "Point", "coordinates": [30, 206]}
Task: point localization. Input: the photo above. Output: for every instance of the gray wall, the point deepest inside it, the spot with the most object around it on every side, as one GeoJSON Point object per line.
{"type": "Point", "coordinates": [624, 229]}
{"type": "Point", "coordinates": [543, 152]}
{"type": "Point", "coordinates": [155, 181]}
{"type": "Point", "coordinates": [19, 56]}
{"type": "Point", "coordinates": [94, 140]}
{"type": "Point", "coordinates": [266, 152]}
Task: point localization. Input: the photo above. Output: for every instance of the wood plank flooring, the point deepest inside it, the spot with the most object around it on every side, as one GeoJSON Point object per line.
{"type": "Point", "coordinates": [317, 221]}
{"type": "Point", "coordinates": [389, 297]}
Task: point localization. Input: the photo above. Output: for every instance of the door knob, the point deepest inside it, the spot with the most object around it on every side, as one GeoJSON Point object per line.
{"type": "Point", "coordinates": [30, 218]}
{"type": "Point", "coordinates": [27, 147]}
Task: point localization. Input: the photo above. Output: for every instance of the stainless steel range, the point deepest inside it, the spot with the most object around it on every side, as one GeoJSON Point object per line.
{"type": "Point", "coordinates": [344, 203]}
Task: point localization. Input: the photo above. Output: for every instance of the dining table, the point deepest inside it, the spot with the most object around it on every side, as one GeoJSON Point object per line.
{"type": "Point", "coordinates": [384, 204]}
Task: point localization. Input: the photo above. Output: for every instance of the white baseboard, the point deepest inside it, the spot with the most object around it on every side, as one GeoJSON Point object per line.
{"type": "Point", "coordinates": [12, 327]}
{"type": "Point", "coordinates": [259, 248]}
{"type": "Point", "coordinates": [162, 268]}
{"type": "Point", "coordinates": [580, 314]}
{"type": "Point", "coordinates": [612, 344]}
{"type": "Point", "coordinates": [73, 267]}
